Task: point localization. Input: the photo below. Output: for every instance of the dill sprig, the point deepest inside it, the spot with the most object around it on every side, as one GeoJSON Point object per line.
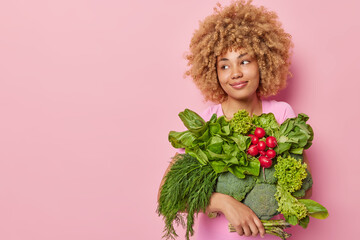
{"type": "Point", "coordinates": [187, 189]}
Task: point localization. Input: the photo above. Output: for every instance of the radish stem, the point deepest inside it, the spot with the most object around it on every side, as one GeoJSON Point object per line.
{"type": "Point", "coordinates": [264, 174]}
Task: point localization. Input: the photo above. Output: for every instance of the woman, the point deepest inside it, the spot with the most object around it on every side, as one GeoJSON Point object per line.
{"type": "Point", "coordinates": [239, 55]}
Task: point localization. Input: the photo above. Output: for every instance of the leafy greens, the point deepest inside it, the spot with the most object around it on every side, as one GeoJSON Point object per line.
{"type": "Point", "coordinates": [223, 144]}
{"type": "Point", "coordinates": [187, 188]}
{"type": "Point", "coordinates": [218, 146]}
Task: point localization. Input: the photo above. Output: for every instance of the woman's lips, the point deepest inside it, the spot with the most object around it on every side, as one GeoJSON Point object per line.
{"type": "Point", "coordinates": [239, 85]}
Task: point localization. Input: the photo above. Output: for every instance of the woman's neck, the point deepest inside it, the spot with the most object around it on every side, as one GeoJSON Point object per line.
{"type": "Point", "coordinates": [232, 106]}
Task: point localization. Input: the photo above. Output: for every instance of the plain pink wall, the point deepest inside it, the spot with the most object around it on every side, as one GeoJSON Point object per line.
{"type": "Point", "coordinates": [90, 89]}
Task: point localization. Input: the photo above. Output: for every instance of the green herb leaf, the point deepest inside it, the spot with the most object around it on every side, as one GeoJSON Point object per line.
{"type": "Point", "coordinates": [315, 209]}
{"type": "Point", "coordinates": [188, 187]}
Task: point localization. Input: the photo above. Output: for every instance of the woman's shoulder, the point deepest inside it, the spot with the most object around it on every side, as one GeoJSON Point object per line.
{"type": "Point", "coordinates": [281, 110]}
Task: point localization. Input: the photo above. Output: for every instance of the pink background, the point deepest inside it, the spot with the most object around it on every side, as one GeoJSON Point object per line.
{"type": "Point", "coordinates": [90, 89]}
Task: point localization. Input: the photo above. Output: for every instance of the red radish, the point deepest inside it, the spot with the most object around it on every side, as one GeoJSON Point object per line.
{"type": "Point", "coordinates": [271, 142]}
{"type": "Point", "coordinates": [254, 140]}
{"type": "Point", "coordinates": [270, 153]}
{"type": "Point", "coordinates": [259, 132]}
{"type": "Point", "coordinates": [253, 151]}
{"type": "Point", "coordinates": [262, 153]}
{"type": "Point", "coordinates": [261, 145]}
{"type": "Point", "coordinates": [265, 162]}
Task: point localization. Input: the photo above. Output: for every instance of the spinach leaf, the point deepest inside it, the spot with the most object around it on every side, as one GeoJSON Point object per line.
{"type": "Point", "coordinates": [198, 154]}
{"type": "Point", "coordinates": [215, 144]}
{"type": "Point", "coordinates": [315, 209]}
{"type": "Point", "coordinates": [243, 142]}
{"type": "Point", "coordinates": [294, 135]}
{"type": "Point", "coordinates": [181, 139]}
{"type": "Point", "coordinates": [219, 166]}
{"type": "Point", "coordinates": [253, 168]}
{"type": "Point", "coordinates": [193, 121]}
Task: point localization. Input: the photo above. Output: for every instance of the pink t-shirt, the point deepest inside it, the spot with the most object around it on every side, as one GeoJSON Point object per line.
{"type": "Point", "coordinates": [281, 110]}
{"type": "Point", "coordinates": [217, 228]}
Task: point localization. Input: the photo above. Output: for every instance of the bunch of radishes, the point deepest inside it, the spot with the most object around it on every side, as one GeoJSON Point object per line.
{"type": "Point", "coordinates": [264, 149]}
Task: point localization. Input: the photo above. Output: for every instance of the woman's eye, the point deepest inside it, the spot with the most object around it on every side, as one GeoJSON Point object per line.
{"type": "Point", "coordinates": [224, 67]}
{"type": "Point", "coordinates": [245, 62]}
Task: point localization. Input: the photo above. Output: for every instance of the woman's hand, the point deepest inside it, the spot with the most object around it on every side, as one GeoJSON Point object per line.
{"type": "Point", "coordinates": [238, 214]}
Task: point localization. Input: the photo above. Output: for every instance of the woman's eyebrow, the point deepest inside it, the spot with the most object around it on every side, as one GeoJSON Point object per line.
{"type": "Point", "coordinates": [240, 56]}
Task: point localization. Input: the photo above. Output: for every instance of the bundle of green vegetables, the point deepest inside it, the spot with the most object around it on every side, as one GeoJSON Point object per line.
{"type": "Point", "coordinates": [227, 156]}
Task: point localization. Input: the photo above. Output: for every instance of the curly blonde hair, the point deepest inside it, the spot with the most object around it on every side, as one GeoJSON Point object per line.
{"type": "Point", "coordinates": [240, 25]}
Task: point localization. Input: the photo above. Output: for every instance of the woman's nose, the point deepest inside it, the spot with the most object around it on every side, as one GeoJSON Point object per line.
{"type": "Point", "coordinates": [237, 73]}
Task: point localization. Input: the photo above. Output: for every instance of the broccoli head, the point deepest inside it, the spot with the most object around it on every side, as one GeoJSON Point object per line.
{"type": "Point", "coordinates": [231, 185]}
{"type": "Point", "coordinates": [262, 201]}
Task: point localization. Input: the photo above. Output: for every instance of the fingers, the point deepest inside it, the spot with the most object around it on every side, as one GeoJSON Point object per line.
{"type": "Point", "coordinates": [242, 218]}
{"type": "Point", "coordinates": [251, 228]}
{"type": "Point", "coordinates": [239, 230]}
{"type": "Point", "coordinates": [254, 229]}
{"type": "Point", "coordinates": [260, 227]}
{"type": "Point", "coordinates": [247, 231]}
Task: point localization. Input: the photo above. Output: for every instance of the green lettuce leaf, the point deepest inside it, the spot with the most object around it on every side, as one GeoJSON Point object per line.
{"type": "Point", "coordinates": [215, 144]}
{"type": "Point", "coordinates": [230, 149]}
{"type": "Point", "coordinates": [243, 142]}
{"type": "Point", "coordinates": [253, 168]}
{"type": "Point", "coordinates": [181, 139]}
{"type": "Point", "coordinates": [268, 122]}
{"type": "Point", "coordinates": [219, 166]}
{"type": "Point", "coordinates": [294, 135]}
{"type": "Point", "coordinates": [225, 126]}
{"type": "Point", "coordinates": [241, 122]}
{"type": "Point", "coordinates": [198, 154]}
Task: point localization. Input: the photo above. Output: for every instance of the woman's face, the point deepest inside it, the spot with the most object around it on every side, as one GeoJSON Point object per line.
{"type": "Point", "coordinates": [238, 74]}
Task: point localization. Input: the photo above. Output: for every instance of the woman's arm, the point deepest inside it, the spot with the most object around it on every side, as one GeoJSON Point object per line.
{"type": "Point", "coordinates": [238, 214]}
